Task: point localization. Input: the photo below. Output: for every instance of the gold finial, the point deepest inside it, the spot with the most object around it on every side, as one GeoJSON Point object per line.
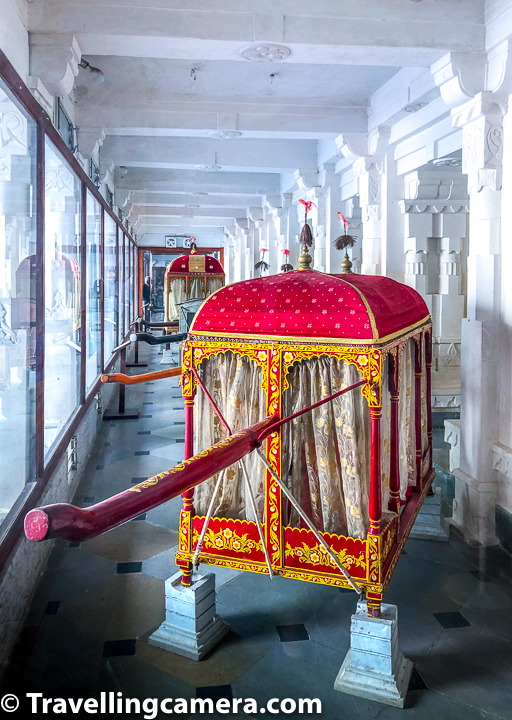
{"type": "Point", "coordinates": [193, 247]}
{"type": "Point", "coordinates": [346, 265]}
{"type": "Point", "coordinates": [305, 259]}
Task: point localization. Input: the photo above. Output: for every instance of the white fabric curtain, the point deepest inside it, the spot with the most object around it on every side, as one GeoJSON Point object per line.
{"type": "Point", "coordinates": [424, 429]}
{"type": "Point", "coordinates": [234, 382]}
{"type": "Point", "coordinates": [176, 295]}
{"type": "Point", "coordinates": [326, 452]}
{"type": "Point", "coordinates": [385, 439]}
{"type": "Point", "coordinates": [407, 431]}
{"type": "Point", "coordinates": [213, 284]}
{"type": "Point", "coordinates": [195, 288]}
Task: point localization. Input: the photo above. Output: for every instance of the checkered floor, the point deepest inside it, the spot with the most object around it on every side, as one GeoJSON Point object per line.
{"type": "Point", "coordinates": [98, 602]}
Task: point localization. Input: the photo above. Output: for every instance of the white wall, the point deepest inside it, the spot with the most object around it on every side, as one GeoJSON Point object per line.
{"type": "Point", "coordinates": [14, 35]}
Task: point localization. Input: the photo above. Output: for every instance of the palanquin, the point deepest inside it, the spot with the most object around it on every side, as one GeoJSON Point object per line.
{"type": "Point", "coordinates": [189, 277]}
{"type": "Point", "coordinates": [359, 465]}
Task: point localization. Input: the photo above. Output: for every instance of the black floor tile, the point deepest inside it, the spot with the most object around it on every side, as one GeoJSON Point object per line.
{"type": "Point", "coordinates": [451, 620]}
{"type": "Point", "coordinates": [74, 544]}
{"type": "Point", "coordinates": [346, 590]}
{"type": "Point", "coordinates": [137, 480]}
{"type": "Point", "coordinates": [417, 682]}
{"type": "Point", "coordinates": [215, 692]}
{"type": "Point", "coordinates": [142, 452]}
{"type": "Point", "coordinates": [139, 517]}
{"type": "Point", "coordinates": [129, 567]}
{"type": "Point", "coordinates": [119, 648]}
{"type": "Point", "coordinates": [52, 608]}
{"type": "Point", "coordinates": [480, 576]}
{"type": "Point", "coordinates": [292, 633]}
{"type": "Point", "coordinates": [144, 432]}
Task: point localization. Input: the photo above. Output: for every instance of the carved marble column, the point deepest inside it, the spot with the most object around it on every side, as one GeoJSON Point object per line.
{"type": "Point", "coordinates": [229, 254]}
{"type": "Point", "coordinates": [476, 487]}
{"type": "Point", "coordinates": [351, 209]}
{"type": "Point", "coordinates": [435, 210]}
{"type": "Point", "coordinates": [242, 229]}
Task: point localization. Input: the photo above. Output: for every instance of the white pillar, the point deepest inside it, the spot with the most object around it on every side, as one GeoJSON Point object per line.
{"type": "Point", "coordinates": [476, 487]}
{"type": "Point", "coordinates": [435, 211]}
{"type": "Point", "coordinates": [369, 173]}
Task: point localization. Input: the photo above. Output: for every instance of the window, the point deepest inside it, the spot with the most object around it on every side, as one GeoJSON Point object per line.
{"type": "Point", "coordinates": [135, 282]}
{"type": "Point", "coordinates": [93, 296]}
{"type": "Point", "coordinates": [17, 300]}
{"type": "Point", "coordinates": [65, 126]}
{"type": "Point", "coordinates": [126, 284]}
{"type": "Point", "coordinates": [62, 296]}
{"type": "Point", "coordinates": [111, 285]}
{"type": "Point", "coordinates": [133, 314]}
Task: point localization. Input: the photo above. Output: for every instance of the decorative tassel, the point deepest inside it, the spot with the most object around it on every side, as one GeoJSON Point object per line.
{"type": "Point", "coordinates": [262, 266]}
{"type": "Point", "coordinates": [345, 240]}
{"type": "Point", "coordinates": [306, 236]}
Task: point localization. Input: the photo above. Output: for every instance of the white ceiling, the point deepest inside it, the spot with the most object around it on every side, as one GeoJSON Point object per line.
{"type": "Point", "coordinates": [174, 75]}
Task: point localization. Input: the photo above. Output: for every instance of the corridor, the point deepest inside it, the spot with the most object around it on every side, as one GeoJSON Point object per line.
{"type": "Point", "coordinates": [98, 601]}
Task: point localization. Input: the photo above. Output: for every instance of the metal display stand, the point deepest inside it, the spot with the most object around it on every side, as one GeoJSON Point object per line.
{"type": "Point", "coordinates": [136, 362]}
{"type": "Point", "coordinates": [122, 413]}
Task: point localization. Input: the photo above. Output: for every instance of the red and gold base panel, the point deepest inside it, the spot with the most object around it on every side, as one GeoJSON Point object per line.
{"type": "Point", "coordinates": [236, 544]}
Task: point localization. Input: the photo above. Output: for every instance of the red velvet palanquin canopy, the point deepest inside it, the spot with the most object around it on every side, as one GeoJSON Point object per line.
{"type": "Point", "coordinates": [181, 265]}
{"type": "Point", "coordinates": [366, 309]}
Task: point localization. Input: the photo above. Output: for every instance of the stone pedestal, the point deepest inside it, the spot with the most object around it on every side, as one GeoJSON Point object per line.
{"type": "Point", "coordinates": [474, 508]}
{"type": "Point", "coordinates": [373, 667]}
{"type": "Point", "coordinates": [191, 627]}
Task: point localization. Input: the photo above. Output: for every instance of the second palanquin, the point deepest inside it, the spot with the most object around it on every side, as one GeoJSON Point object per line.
{"type": "Point", "coordinates": [189, 277]}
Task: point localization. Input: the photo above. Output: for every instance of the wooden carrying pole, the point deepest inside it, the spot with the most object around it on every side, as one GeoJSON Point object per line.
{"type": "Point", "coordinates": [136, 379]}
{"type": "Point", "coordinates": [78, 524]}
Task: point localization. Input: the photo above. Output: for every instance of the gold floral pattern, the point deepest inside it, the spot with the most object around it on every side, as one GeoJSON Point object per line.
{"type": "Point", "coordinates": [373, 562]}
{"type": "Point", "coordinates": [225, 539]}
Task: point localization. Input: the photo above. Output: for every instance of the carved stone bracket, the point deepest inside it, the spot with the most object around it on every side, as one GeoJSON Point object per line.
{"type": "Point", "coordinates": [90, 140]}
{"type": "Point", "coordinates": [459, 76]}
{"type": "Point", "coordinates": [502, 459]}
{"type": "Point", "coordinates": [481, 120]}
{"type": "Point", "coordinates": [54, 59]}
{"type": "Point", "coordinates": [307, 179]}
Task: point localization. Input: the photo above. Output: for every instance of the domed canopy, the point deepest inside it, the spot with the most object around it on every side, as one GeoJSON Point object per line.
{"type": "Point", "coordinates": [307, 304]}
{"type": "Point", "coordinates": [194, 264]}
